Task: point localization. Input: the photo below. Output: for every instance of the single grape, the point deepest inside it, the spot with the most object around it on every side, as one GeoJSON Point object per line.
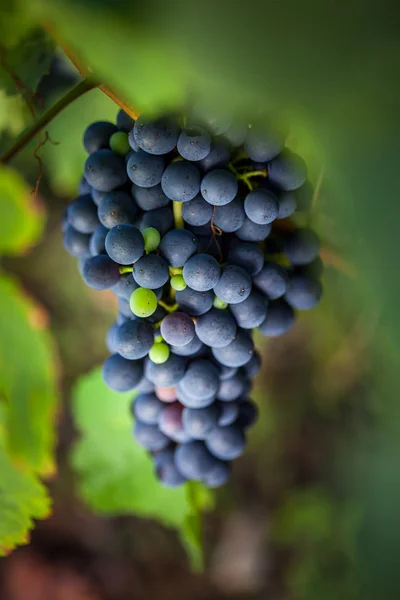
{"type": "Point", "coordinates": [147, 408]}
{"type": "Point", "coordinates": [193, 348]}
{"type": "Point", "coordinates": [218, 156]}
{"type": "Point", "coordinates": [200, 382]}
{"type": "Point", "coordinates": [145, 170]}
{"type": "Point", "coordinates": [158, 136]}
{"type": "Point", "coordinates": [253, 366]}
{"type": "Point", "coordinates": [125, 309]}
{"type": "Point", "coordinates": [247, 255]}
{"type": "Point", "coordinates": [151, 238]}
{"type": "Point", "coordinates": [100, 272]}
{"type": "Point", "coordinates": [303, 293]}
{"type": "Point", "coordinates": [134, 339]}
{"type": "Point", "coordinates": [166, 469]}
{"type": "Point", "coordinates": [98, 240]}
{"type": "Point", "coordinates": [151, 271]}
{"type": "Point", "coordinates": [226, 372]}
{"type": "Point", "coordinates": [124, 244]}
{"type": "Point", "coordinates": [124, 121]}
{"type": "Point", "coordinates": [252, 232]}
{"type": "Point", "coordinates": [167, 374]}
{"type": "Point", "coordinates": [301, 246]}
{"type": "Point", "coordinates": [161, 219]}
{"type": "Point", "coordinates": [219, 187]}
{"type": "Point", "coordinates": [119, 143]}
{"type": "Point", "coordinates": [236, 133]}
{"type": "Point", "coordinates": [143, 302]}
{"type": "Point", "coordinates": [181, 181]}
{"type": "Point", "coordinates": [97, 135]}
{"type": "Point", "coordinates": [166, 394]}
{"type": "Point", "coordinates": [82, 214]}
{"type": "Point", "coordinates": [201, 272]}
{"type": "Point", "coordinates": [262, 144]}
{"type": "Point", "coordinates": [216, 328]}
{"type": "Point", "coordinates": [170, 423]}
{"type": "Point", "coordinates": [261, 206]}
{"type": "Point", "coordinates": [233, 388]}
{"type": "Point", "coordinates": [272, 280]}
{"type": "Point", "coordinates": [110, 338]}
{"type": "Point", "coordinates": [194, 143]}
{"type": "Point", "coordinates": [132, 141]}
{"type": "Point", "coordinates": [77, 244]}
{"type": "Point", "coordinates": [150, 437]}
{"type": "Point", "coordinates": [177, 283]}
{"type": "Point", "coordinates": [218, 475]}
{"type": "Point", "coordinates": [177, 246]}
{"type": "Point", "coordinates": [159, 353]}
{"type": "Point", "coordinates": [230, 217]}
{"type": "Point", "coordinates": [287, 205]}
{"type": "Point", "coordinates": [177, 329]}
{"type": "Point", "coordinates": [149, 198]}
{"type": "Point", "coordinates": [248, 413]}
{"type": "Point", "coordinates": [287, 171]}
{"type": "Point", "coordinates": [238, 352]}
{"type": "Point", "coordinates": [197, 211]}
{"type": "Point", "coordinates": [105, 170]}
{"type": "Point", "coordinates": [117, 208]}
{"type": "Point", "coordinates": [280, 318]}
{"type": "Point", "coordinates": [229, 412]}
{"type": "Point", "coordinates": [198, 422]}
{"type": "Point", "coordinates": [84, 187]}
{"type": "Point", "coordinates": [234, 285]}
{"type": "Point", "coordinates": [251, 312]}
{"type": "Point", "coordinates": [122, 375]}
{"type": "Point", "coordinates": [125, 286]}
{"type": "Point", "coordinates": [193, 460]}
{"type": "Point", "coordinates": [97, 196]}
{"type": "Point", "coordinates": [226, 443]}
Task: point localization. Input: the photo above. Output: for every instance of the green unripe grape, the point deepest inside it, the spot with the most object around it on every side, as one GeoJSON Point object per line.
{"type": "Point", "coordinates": [119, 143]}
{"type": "Point", "coordinates": [158, 339]}
{"type": "Point", "coordinates": [178, 283]}
{"type": "Point", "coordinates": [159, 353]}
{"type": "Point", "coordinates": [143, 302]}
{"type": "Point", "coordinates": [219, 303]}
{"type": "Point", "coordinates": [151, 238]}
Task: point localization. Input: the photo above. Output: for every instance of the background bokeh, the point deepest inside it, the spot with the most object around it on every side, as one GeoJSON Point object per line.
{"type": "Point", "coordinates": [312, 507]}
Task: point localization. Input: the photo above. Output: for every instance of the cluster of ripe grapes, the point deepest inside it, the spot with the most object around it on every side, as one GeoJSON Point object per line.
{"type": "Point", "coordinates": [188, 224]}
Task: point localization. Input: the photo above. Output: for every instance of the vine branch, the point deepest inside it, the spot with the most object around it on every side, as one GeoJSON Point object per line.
{"type": "Point", "coordinates": [76, 92]}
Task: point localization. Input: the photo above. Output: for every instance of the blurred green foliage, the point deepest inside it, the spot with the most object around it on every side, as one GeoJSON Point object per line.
{"type": "Point", "coordinates": [117, 476]}
{"type": "Point", "coordinates": [331, 71]}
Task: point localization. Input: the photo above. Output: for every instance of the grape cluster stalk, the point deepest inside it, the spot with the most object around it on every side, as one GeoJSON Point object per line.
{"type": "Point", "coordinates": [192, 224]}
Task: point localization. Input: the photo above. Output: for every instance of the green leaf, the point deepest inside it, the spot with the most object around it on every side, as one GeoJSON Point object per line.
{"type": "Point", "coordinates": [22, 499]}
{"type": "Point", "coordinates": [116, 474]}
{"type": "Point", "coordinates": [28, 394]}
{"type": "Point", "coordinates": [21, 216]}
{"type": "Point", "coordinates": [24, 64]}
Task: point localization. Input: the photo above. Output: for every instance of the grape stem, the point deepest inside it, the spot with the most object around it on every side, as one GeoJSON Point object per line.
{"type": "Point", "coordinates": [123, 270]}
{"type": "Point", "coordinates": [177, 208]}
{"type": "Point", "coordinates": [81, 88]}
{"type": "Point", "coordinates": [168, 307]}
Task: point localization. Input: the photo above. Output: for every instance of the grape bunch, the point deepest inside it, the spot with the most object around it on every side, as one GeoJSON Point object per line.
{"type": "Point", "coordinates": [192, 224]}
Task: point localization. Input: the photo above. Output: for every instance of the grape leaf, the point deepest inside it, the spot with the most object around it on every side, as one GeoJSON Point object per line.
{"type": "Point", "coordinates": [23, 65]}
{"type": "Point", "coordinates": [21, 215]}
{"type": "Point", "coordinates": [116, 474]}
{"type": "Point", "coordinates": [22, 499]}
{"type": "Point", "coordinates": [27, 381]}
